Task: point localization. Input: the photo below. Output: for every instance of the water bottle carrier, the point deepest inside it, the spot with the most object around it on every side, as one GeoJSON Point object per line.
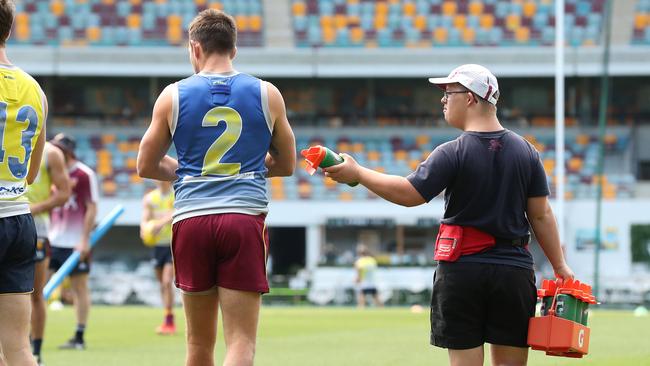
{"type": "Point", "coordinates": [562, 330]}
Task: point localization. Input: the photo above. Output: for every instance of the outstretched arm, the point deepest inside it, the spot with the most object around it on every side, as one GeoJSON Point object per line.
{"type": "Point", "coordinates": [392, 188]}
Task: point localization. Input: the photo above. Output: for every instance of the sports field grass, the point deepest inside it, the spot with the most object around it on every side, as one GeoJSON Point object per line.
{"type": "Point", "coordinates": [317, 336]}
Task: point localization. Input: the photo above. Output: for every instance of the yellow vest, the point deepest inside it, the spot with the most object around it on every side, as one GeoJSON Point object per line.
{"type": "Point", "coordinates": [161, 205]}
{"type": "Point", "coordinates": [22, 114]}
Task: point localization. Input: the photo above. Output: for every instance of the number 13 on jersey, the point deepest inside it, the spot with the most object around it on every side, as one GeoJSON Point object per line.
{"type": "Point", "coordinates": [16, 154]}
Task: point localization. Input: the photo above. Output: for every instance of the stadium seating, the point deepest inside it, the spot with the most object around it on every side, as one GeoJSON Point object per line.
{"type": "Point", "coordinates": [126, 22]}
{"type": "Point", "coordinates": [113, 156]}
{"type": "Point", "coordinates": [427, 23]}
{"type": "Point", "coordinates": [641, 34]}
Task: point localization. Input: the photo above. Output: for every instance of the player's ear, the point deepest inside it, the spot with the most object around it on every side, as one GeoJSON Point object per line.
{"type": "Point", "coordinates": [233, 53]}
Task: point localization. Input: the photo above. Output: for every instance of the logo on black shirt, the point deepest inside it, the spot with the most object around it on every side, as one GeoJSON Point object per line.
{"type": "Point", "coordinates": [495, 145]}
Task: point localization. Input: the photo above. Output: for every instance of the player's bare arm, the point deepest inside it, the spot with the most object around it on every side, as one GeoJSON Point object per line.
{"type": "Point", "coordinates": [153, 162]}
{"type": "Point", "coordinates": [37, 153]}
{"type": "Point", "coordinates": [281, 158]}
{"type": "Point", "coordinates": [541, 218]}
{"type": "Point", "coordinates": [392, 188]}
{"type": "Point", "coordinates": [89, 223]}
{"type": "Point", "coordinates": [60, 180]}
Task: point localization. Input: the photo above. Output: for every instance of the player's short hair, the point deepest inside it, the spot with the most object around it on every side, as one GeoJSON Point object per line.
{"type": "Point", "coordinates": [7, 9]}
{"type": "Point", "coordinates": [215, 31]}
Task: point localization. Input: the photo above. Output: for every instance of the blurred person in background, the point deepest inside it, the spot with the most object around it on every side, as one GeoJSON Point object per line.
{"type": "Point", "coordinates": [70, 228]}
{"type": "Point", "coordinates": [23, 110]}
{"type": "Point", "coordinates": [231, 132]}
{"type": "Point", "coordinates": [156, 232]}
{"type": "Point", "coordinates": [50, 189]}
{"type": "Point", "coordinates": [495, 190]}
{"type": "Point", "coordinates": [366, 268]}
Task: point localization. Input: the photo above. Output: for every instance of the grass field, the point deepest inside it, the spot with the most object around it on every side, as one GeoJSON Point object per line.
{"type": "Point", "coordinates": [317, 336]}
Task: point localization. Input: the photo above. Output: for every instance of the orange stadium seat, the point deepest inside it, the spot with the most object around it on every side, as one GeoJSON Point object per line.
{"type": "Point", "coordinates": [420, 22]}
{"type": "Point", "coordinates": [57, 7]}
{"type": "Point", "coordinates": [469, 35]}
{"type": "Point", "coordinates": [22, 32]}
{"type": "Point", "coordinates": [440, 35]}
{"type": "Point", "coordinates": [356, 35]}
{"type": "Point", "coordinates": [374, 155]}
{"type": "Point", "coordinates": [346, 196]}
{"type": "Point", "coordinates": [255, 23]}
{"type": "Point", "coordinates": [329, 35]}
{"type": "Point", "coordinates": [460, 21]}
{"type": "Point", "coordinates": [409, 9]}
{"type": "Point", "coordinates": [640, 21]}
{"type": "Point", "coordinates": [135, 2]}
{"type": "Point", "coordinates": [476, 8]}
{"type": "Point", "coordinates": [108, 138]}
{"type": "Point", "coordinates": [109, 188]}
{"type": "Point", "coordinates": [449, 8]}
{"type": "Point", "coordinates": [486, 21]}
{"type": "Point", "coordinates": [326, 21]}
{"type": "Point", "coordinates": [400, 155]}
{"type": "Point", "coordinates": [529, 9]}
{"type": "Point", "coordinates": [242, 23]}
{"type": "Point", "coordinates": [340, 21]}
{"type": "Point", "coordinates": [135, 178]}
{"type": "Point", "coordinates": [299, 8]}
{"type": "Point", "coordinates": [108, 2]}
{"type": "Point", "coordinates": [513, 21]}
{"type": "Point", "coordinates": [381, 8]}
{"type": "Point", "coordinates": [216, 6]}
{"type": "Point", "coordinates": [134, 21]}
{"type": "Point", "coordinates": [380, 22]}
{"type": "Point", "coordinates": [522, 35]}
{"type": "Point", "coordinates": [582, 139]}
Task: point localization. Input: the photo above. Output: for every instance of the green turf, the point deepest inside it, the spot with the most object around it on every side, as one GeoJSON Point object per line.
{"type": "Point", "coordinates": [317, 336]}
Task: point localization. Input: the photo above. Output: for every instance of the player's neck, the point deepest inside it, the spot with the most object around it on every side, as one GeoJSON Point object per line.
{"type": "Point", "coordinates": [3, 57]}
{"type": "Point", "coordinates": [489, 124]}
{"type": "Point", "coordinates": [217, 64]}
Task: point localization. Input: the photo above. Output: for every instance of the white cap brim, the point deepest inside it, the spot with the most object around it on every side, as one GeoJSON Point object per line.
{"type": "Point", "coordinates": [441, 81]}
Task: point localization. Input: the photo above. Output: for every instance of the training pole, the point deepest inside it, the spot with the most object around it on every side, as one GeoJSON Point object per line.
{"type": "Point", "coordinates": [559, 118]}
{"type": "Point", "coordinates": [72, 261]}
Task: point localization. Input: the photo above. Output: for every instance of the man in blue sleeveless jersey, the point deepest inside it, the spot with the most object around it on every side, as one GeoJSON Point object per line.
{"type": "Point", "coordinates": [23, 108]}
{"type": "Point", "coordinates": [230, 131]}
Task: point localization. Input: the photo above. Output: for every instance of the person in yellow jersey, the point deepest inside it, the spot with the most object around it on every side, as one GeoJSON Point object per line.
{"type": "Point", "coordinates": [156, 232]}
{"type": "Point", "coordinates": [23, 109]}
{"type": "Point", "coordinates": [366, 267]}
{"type": "Point", "coordinates": [50, 189]}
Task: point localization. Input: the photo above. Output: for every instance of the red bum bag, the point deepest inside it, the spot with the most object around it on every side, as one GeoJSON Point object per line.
{"type": "Point", "coordinates": [455, 240]}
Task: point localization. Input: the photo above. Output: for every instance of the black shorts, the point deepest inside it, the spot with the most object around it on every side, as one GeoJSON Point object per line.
{"type": "Point", "coordinates": [161, 255]}
{"type": "Point", "coordinates": [17, 248]}
{"type": "Point", "coordinates": [59, 255]}
{"type": "Point", "coordinates": [42, 249]}
{"type": "Point", "coordinates": [369, 291]}
{"type": "Point", "coordinates": [477, 303]}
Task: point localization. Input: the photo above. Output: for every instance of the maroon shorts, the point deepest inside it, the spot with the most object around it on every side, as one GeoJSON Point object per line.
{"type": "Point", "coordinates": [225, 250]}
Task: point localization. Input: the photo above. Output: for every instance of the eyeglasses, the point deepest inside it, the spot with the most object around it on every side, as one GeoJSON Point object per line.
{"type": "Point", "coordinates": [448, 93]}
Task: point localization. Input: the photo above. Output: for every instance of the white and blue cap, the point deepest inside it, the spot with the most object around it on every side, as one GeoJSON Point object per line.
{"type": "Point", "coordinates": [475, 78]}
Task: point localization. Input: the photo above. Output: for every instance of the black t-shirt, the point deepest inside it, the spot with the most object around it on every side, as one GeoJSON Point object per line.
{"type": "Point", "coordinates": [488, 178]}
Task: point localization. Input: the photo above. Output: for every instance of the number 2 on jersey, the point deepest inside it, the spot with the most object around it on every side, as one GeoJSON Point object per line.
{"type": "Point", "coordinates": [212, 164]}
{"type": "Point", "coordinates": [26, 114]}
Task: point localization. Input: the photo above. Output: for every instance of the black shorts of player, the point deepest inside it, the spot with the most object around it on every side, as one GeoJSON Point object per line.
{"type": "Point", "coordinates": [42, 249]}
{"type": "Point", "coordinates": [369, 291]}
{"type": "Point", "coordinates": [162, 254]}
{"type": "Point", "coordinates": [477, 303]}
{"type": "Point", "coordinates": [60, 255]}
{"type": "Point", "coordinates": [17, 248]}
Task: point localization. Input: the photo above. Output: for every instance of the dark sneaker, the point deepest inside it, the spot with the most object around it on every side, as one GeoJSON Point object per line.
{"type": "Point", "coordinates": [73, 344]}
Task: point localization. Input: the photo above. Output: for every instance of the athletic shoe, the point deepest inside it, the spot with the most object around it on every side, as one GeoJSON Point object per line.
{"type": "Point", "coordinates": [166, 329]}
{"type": "Point", "coordinates": [72, 343]}
{"type": "Point", "coordinates": [39, 362]}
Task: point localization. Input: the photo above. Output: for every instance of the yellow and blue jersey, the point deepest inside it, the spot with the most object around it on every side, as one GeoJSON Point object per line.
{"type": "Point", "coordinates": [161, 205]}
{"type": "Point", "coordinates": [40, 191]}
{"type": "Point", "coordinates": [367, 266]}
{"type": "Point", "coordinates": [221, 129]}
{"type": "Point", "coordinates": [22, 115]}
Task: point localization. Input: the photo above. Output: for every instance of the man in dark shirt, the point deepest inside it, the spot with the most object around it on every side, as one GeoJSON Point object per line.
{"type": "Point", "coordinates": [494, 182]}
